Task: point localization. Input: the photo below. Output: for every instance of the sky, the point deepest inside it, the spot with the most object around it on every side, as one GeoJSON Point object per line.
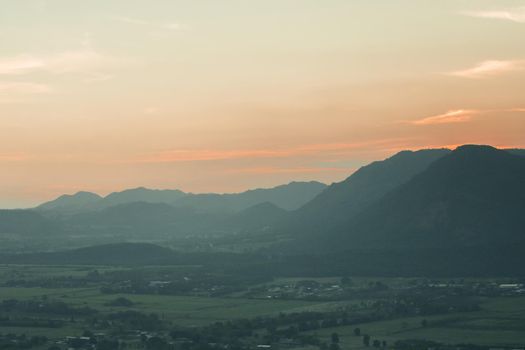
{"type": "Point", "coordinates": [224, 96]}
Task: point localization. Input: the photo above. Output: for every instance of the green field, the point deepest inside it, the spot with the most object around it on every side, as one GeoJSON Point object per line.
{"type": "Point", "coordinates": [180, 310]}
{"type": "Point", "coordinates": [501, 322]}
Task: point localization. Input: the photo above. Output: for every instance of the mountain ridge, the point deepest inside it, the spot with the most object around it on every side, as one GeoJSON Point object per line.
{"type": "Point", "coordinates": [287, 196]}
{"type": "Point", "coordinates": [473, 196]}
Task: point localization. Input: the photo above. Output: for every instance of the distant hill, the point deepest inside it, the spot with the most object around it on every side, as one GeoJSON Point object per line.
{"type": "Point", "coordinates": [165, 214]}
{"type": "Point", "coordinates": [139, 254]}
{"type": "Point", "coordinates": [461, 262]}
{"type": "Point", "coordinates": [26, 223]}
{"type": "Point", "coordinates": [258, 218]}
{"type": "Point", "coordinates": [343, 200]}
{"type": "Point", "coordinates": [142, 220]}
{"type": "Point", "coordinates": [108, 254]}
{"type": "Point", "coordinates": [72, 202]}
{"type": "Point", "coordinates": [289, 196]}
{"type": "Point", "coordinates": [141, 194]}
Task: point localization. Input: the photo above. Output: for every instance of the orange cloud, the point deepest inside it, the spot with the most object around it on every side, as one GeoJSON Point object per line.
{"type": "Point", "coordinates": [301, 170]}
{"type": "Point", "coordinates": [461, 116]}
{"type": "Point", "coordinates": [306, 150]}
{"type": "Point", "coordinates": [489, 68]}
{"type": "Point", "coordinates": [12, 157]}
{"type": "Point", "coordinates": [515, 110]}
{"type": "Point", "coordinates": [454, 116]}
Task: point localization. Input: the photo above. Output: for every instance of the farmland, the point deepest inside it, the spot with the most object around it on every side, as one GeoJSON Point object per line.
{"type": "Point", "coordinates": [305, 310]}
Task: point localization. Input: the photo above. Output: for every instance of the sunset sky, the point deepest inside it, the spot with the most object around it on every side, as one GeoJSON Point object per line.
{"type": "Point", "coordinates": [227, 95]}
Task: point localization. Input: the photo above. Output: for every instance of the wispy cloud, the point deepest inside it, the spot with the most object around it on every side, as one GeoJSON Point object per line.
{"type": "Point", "coordinates": [23, 88]}
{"type": "Point", "coordinates": [460, 116]}
{"type": "Point", "coordinates": [515, 110]}
{"type": "Point", "coordinates": [489, 68]}
{"type": "Point", "coordinates": [206, 155]}
{"type": "Point", "coordinates": [306, 150]}
{"type": "Point", "coordinates": [454, 116]}
{"type": "Point", "coordinates": [172, 26]}
{"type": "Point", "coordinates": [151, 110]}
{"type": "Point", "coordinates": [83, 60]}
{"type": "Point", "coordinates": [13, 157]}
{"type": "Point", "coordinates": [98, 77]}
{"type": "Point", "coordinates": [510, 14]}
{"type": "Point", "coordinates": [20, 65]}
{"type": "Point", "coordinates": [297, 170]}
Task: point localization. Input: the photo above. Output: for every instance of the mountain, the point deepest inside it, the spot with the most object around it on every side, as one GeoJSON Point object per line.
{"type": "Point", "coordinates": [71, 203]}
{"type": "Point", "coordinates": [516, 151]}
{"type": "Point", "coordinates": [26, 223]}
{"type": "Point", "coordinates": [289, 196]}
{"type": "Point", "coordinates": [141, 220]}
{"type": "Point", "coordinates": [472, 197]}
{"type": "Point", "coordinates": [343, 200]}
{"type": "Point", "coordinates": [142, 194]}
{"type": "Point", "coordinates": [258, 218]}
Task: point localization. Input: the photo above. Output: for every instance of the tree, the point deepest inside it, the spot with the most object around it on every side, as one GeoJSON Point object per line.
{"type": "Point", "coordinates": [346, 281]}
{"type": "Point", "coordinates": [424, 323]}
{"type": "Point", "coordinates": [335, 338]}
{"type": "Point", "coordinates": [88, 333]}
{"type": "Point", "coordinates": [357, 332]}
{"type": "Point", "coordinates": [108, 344]}
{"type": "Point", "coordinates": [334, 346]}
{"type": "Point", "coordinates": [376, 343]}
{"type": "Point", "coordinates": [156, 343]}
{"type": "Point", "coordinates": [366, 340]}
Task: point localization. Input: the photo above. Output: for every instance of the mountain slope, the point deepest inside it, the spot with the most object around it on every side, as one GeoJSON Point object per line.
{"type": "Point", "coordinates": [142, 194]}
{"type": "Point", "coordinates": [26, 223]}
{"type": "Point", "coordinates": [516, 151]}
{"type": "Point", "coordinates": [344, 200]}
{"type": "Point", "coordinates": [141, 220]}
{"type": "Point", "coordinates": [289, 196]}
{"type": "Point", "coordinates": [257, 218]}
{"type": "Point", "coordinates": [71, 202]}
{"type": "Point", "coordinates": [474, 196]}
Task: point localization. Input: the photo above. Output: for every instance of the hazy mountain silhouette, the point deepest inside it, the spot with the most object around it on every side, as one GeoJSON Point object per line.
{"type": "Point", "coordinates": [435, 212]}
{"type": "Point", "coordinates": [26, 223]}
{"type": "Point", "coordinates": [72, 202]}
{"type": "Point", "coordinates": [289, 196]}
{"type": "Point", "coordinates": [141, 220]}
{"type": "Point", "coordinates": [141, 194]}
{"type": "Point", "coordinates": [258, 218]}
